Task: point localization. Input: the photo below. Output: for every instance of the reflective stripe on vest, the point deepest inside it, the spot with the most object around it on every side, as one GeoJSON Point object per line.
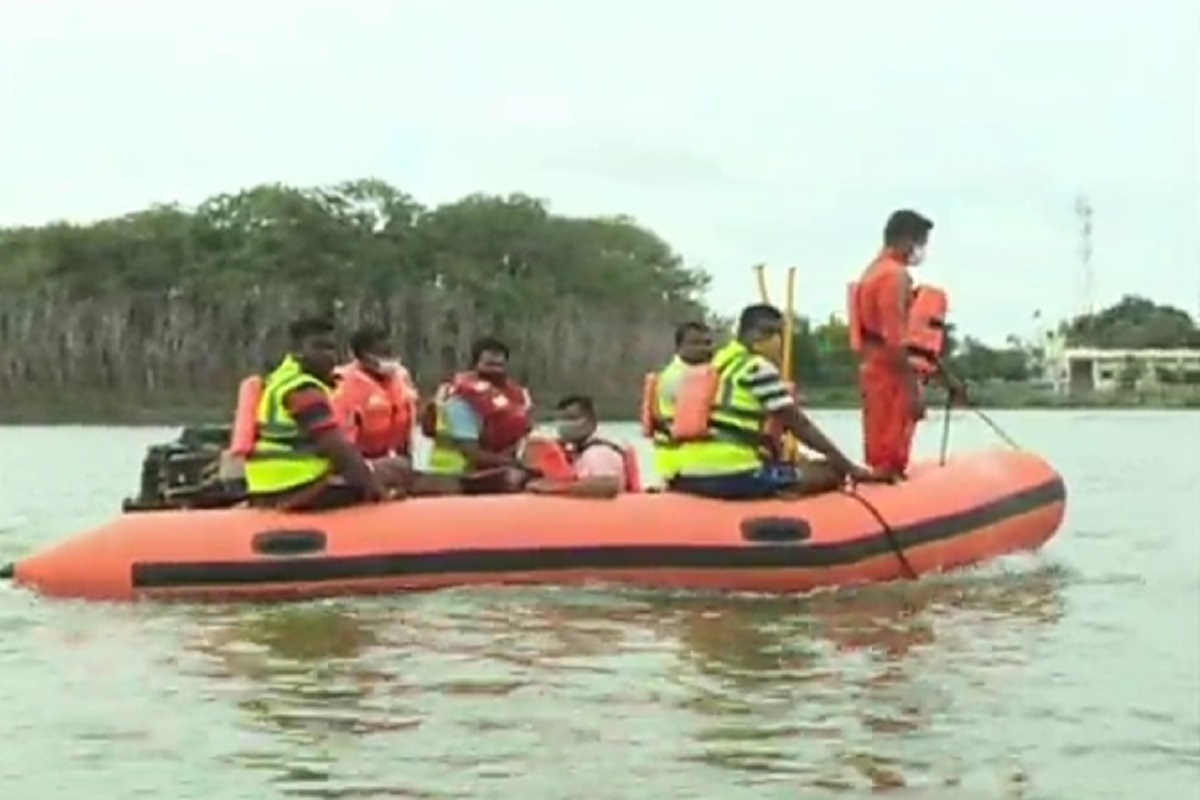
{"type": "Point", "coordinates": [736, 422]}
{"type": "Point", "coordinates": [282, 457]}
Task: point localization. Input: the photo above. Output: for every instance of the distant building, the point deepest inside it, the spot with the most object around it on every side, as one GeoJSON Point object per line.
{"type": "Point", "coordinates": [1086, 369]}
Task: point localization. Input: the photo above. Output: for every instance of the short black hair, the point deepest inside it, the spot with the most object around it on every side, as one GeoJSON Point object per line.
{"type": "Point", "coordinates": [684, 328]}
{"type": "Point", "coordinates": [906, 224]}
{"type": "Point", "coordinates": [757, 315]}
{"type": "Point", "coordinates": [487, 344]}
{"type": "Point", "coordinates": [582, 400]}
{"type": "Point", "coordinates": [367, 339]}
{"type": "Point", "coordinates": [307, 327]}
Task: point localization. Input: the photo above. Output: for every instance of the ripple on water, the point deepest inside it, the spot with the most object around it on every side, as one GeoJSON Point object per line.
{"type": "Point", "coordinates": [1069, 675]}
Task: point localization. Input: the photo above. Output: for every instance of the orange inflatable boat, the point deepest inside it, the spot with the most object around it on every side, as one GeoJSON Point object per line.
{"type": "Point", "coordinates": [972, 509]}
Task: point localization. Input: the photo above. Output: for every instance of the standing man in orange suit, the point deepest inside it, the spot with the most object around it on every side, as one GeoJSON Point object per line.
{"type": "Point", "coordinates": [892, 401]}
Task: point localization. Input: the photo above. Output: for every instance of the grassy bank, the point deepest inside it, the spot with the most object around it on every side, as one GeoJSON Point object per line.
{"type": "Point", "coordinates": [78, 408]}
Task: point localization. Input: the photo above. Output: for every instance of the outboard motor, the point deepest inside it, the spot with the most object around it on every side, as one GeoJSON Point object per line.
{"type": "Point", "coordinates": [188, 473]}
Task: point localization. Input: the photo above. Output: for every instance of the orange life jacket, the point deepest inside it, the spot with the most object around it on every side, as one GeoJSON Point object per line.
{"type": "Point", "coordinates": [504, 411]}
{"type": "Point", "coordinates": [694, 407]}
{"type": "Point", "coordinates": [556, 460]}
{"type": "Point", "coordinates": [926, 339]}
{"type": "Point", "coordinates": [245, 416]}
{"type": "Point", "coordinates": [377, 415]}
{"type": "Point", "coordinates": [924, 325]}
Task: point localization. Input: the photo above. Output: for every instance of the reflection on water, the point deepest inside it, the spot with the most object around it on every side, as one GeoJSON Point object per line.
{"type": "Point", "coordinates": [1034, 684]}
{"type": "Point", "coordinates": [843, 675]}
{"type": "Point", "coordinates": [829, 692]}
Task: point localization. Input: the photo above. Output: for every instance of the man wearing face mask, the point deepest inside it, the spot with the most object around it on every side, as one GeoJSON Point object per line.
{"type": "Point", "coordinates": [478, 421]}
{"type": "Point", "coordinates": [733, 458]}
{"type": "Point", "coordinates": [584, 465]}
{"type": "Point", "coordinates": [892, 399]}
{"type": "Point", "coordinates": [693, 350]}
{"type": "Point", "coordinates": [375, 401]}
{"type": "Point", "coordinates": [375, 397]}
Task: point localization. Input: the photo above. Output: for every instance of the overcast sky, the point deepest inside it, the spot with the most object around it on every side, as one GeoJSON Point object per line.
{"type": "Point", "coordinates": [754, 131]}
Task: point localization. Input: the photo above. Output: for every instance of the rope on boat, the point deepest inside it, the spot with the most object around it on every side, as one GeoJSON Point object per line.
{"type": "Point", "coordinates": [974, 409]}
{"type": "Point", "coordinates": [909, 572]}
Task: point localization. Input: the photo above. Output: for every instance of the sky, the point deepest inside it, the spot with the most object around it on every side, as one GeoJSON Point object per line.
{"type": "Point", "coordinates": [741, 132]}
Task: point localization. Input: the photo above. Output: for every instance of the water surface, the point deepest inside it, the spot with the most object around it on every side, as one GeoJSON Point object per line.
{"type": "Point", "coordinates": [1072, 674]}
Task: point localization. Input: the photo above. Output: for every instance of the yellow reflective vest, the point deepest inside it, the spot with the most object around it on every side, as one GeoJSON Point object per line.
{"type": "Point", "coordinates": [282, 457]}
{"type": "Point", "coordinates": [736, 424]}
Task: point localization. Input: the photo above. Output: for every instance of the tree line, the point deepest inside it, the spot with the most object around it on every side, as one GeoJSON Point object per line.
{"type": "Point", "coordinates": [173, 302]}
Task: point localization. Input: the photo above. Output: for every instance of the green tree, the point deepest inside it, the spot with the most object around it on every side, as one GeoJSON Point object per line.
{"type": "Point", "coordinates": [1134, 323]}
{"type": "Point", "coordinates": [975, 361]}
{"type": "Point", "coordinates": [171, 300]}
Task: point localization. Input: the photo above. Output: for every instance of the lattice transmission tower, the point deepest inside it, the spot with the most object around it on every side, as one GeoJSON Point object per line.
{"type": "Point", "coordinates": [1083, 213]}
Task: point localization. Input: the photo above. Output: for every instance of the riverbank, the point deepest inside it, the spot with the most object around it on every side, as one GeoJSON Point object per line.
{"type": "Point", "coordinates": [80, 408]}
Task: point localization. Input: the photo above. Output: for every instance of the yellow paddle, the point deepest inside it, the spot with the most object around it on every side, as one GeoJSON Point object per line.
{"type": "Point", "coordinates": [759, 270]}
{"type": "Point", "coordinates": [792, 453]}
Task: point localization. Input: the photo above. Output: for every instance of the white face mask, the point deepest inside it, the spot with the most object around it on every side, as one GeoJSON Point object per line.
{"type": "Point", "coordinates": [389, 366]}
{"type": "Point", "coordinates": [382, 366]}
{"type": "Point", "coordinates": [917, 255]}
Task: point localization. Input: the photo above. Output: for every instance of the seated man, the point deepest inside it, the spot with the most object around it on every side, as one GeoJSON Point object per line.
{"type": "Point", "coordinates": [585, 464]}
{"type": "Point", "coordinates": [376, 402]}
{"type": "Point", "coordinates": [375, 397]}
{"type": "Point", "coordinates": [721, 421]}
{"type": "Point", "coordinates": [300, 460]}
{"type": "Point", "coordinates": [478, 421]}
{"type": "Point", "coordinates": [693, 350]}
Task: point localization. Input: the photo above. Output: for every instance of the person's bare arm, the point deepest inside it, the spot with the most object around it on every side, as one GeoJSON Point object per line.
{"type": "Point", "coordinates": [479, 458]}
{"type": "Point", "coordinates": [463, 427]}
{"type": "Point", "coordinates": [314, 414]}
{"type": "Point", "coordinates": [799, 425]}
{"type": "Point", "coordinates": [347, 461]}
{"type": "Point", "coordinates": [598, 487]}
{"type": "Point", "coordinates": [766, 384]}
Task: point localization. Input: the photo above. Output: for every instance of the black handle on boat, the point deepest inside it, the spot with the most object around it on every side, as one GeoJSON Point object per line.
{"type": "Point", "coordinates": [7, 571]}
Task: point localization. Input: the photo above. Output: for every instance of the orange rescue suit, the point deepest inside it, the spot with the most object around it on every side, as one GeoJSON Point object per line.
{"type": "Point", "coordinates": [885, 315]}
{"type": "Point", "coordinates": [377, 413]}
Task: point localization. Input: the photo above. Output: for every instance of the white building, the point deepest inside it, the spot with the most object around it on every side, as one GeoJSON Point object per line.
{"type": "Point", "coordinates": [1085, 369]}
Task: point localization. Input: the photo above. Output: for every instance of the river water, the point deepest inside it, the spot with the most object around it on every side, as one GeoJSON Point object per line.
{"type": "Point", "coordinates": [1071, 674]}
